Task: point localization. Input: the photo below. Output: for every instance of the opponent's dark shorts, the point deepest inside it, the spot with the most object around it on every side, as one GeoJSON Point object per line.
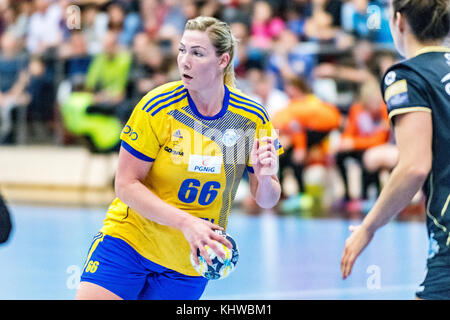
{"type": "Point", "coordinates": [114, 265]}
{"type": "Point", "coordinates": [436, 285]}
{"type": "Point", "coordinates": [5, 221]}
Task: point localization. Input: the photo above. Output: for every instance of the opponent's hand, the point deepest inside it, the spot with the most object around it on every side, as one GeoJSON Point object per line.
{"type": "Point", "coordinates": [200, 233]}
{"type": "Point", "coordinates": [264, 158]}
{"type": "Point", "coordinates": [354, 245]}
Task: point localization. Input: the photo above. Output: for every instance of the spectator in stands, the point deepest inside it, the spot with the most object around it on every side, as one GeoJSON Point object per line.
{"type": "Point", "coordinates": [45, 28]}
{"type": "Point", "coordinates": [94, 25]}
{"type": "Point", "coordinates": [108, 75]}
{"type": "Point", "coordinates": [238, 11]}
{"type": "Point", "coordinates": [13, 82]}
{"type": "Point", "coordinates": [264, 91]}
{"type": "Point", "coordinates": [290, 59]}
{"type": "Point", "coordinates": [42, 92]}
{"type": "Point", "coordinates": [264, 26]}
{"type": "Point", "coordinates": [349, 71]}
{"type": "Point", "coordinates": [152, 17]}
{"type": "Point", "coordinates": [381, 157]}
{"type": "Point", "coordinates": [304, 124]}
{"type": "Point", "coordinates": [355, 68]}
{"type": "Point", "coordinates": [367, 20]}
{"type": "Point", "coordinates": [367, 126]}
{"type": "Point", "coordinates": [92, 112]}
{"type": "Point", "coordinates": [242, 62]}
{"type": "Point", "coordinates": [150, 68]}
{"type": "Point", "coordinates": [122, 21]}
{"type": "Point", "coordinates": [323, 21]}
{"type": "Point", "coordinates": [17, 17]}
{"type": "Point", "coordinates": [296, 15]}
{"type": "Point", "coordinates": [75, 55]}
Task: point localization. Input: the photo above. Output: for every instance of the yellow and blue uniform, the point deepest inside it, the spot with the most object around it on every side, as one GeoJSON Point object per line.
{"type": "Point", "coordinates": [197, 163]}
{"type": "Point", "coordinates": [422, 83]}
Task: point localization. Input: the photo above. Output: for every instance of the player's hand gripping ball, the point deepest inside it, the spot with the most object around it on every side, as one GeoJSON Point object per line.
{"type": "Point", "coordinates": [220, 268]}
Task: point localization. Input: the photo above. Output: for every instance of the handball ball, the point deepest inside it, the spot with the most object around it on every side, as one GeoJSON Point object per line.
{"type": "Point", "coordinates": [220, 268]}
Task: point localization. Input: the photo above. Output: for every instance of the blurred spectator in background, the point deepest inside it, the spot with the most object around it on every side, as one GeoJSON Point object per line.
{"type": "Point", "coordinates": [296, 17]}
{"type": "Point", "coordinates": [264, 92]}
{"type": "Point", "coordinates": [16, 18]}
{"type": "Point", "coordinates": [45, 29]}
{"type": "Point", "coordinates": [241, 58]}
{"type": "Point", "coordinates": [94, 25]}
{"type": "Point", "coordinates": [304, 124]}
{"type": "Point", "coordinates": [90, 111]}
{"type": "Point", "coordinates": [290, 59]}
{"type": "Point", "coordinates": [13, 82]}
{"type": "Point", "coordinates": [264, 26]}
{"type": "Point", "coordinates": [355, 68]}
{"type": "Point", "coordinates": [108, 75]}
{"type": "Point", "coordinates": [367, 20]}
{"type": "Point", "coordinates": [123, 21]}
{"type": "Point", "coordinates": [42, 92]}
{"type": "Point", "coordinates": [349, 71]}
{"type": "Point", "coordinates": [323, 20]}
{"type": "Point", "coordinates": [150, 68]}
{"type": "Point", "coordinates": [152, 17]}
{"type": "Point", "coordinates": [74, 54]}
{"type": "Point", "coordinates": [238, 11]}
{"type": "Point", "coordinates": [367, 126]}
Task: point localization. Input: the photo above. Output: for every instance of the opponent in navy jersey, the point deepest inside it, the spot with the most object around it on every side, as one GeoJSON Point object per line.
{"type": "Point", "coordinates": [417, 94]}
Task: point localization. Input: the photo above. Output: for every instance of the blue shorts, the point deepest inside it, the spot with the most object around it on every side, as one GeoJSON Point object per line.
{"type": "Point", "coordinates": [436, 285]}
{"type": "Point", "coordinates": [114, 265]}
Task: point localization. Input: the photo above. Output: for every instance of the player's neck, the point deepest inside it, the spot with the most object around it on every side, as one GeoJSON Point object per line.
{"type": "Point", "coordinates": [209, 100]}
{"type": "Point", "coordinates": [413, 46]}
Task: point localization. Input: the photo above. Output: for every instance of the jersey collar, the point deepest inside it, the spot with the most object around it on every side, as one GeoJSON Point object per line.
{"type": "Point", "coordinates": [431, 49]}
{"type": "Point", "coordinates": [222, 111]}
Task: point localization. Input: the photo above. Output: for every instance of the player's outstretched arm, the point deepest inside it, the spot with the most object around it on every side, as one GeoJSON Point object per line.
{"type": "Point", "coordinates": [413, 133]}
{"type": "Point", "coordinates": [264, 184]}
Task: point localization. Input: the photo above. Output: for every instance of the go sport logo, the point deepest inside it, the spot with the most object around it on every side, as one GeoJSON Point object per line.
{"type": "Point", "coordinates": [128, 131]}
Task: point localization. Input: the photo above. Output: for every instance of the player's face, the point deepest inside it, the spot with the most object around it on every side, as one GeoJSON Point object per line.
{"type": "Point", "coordinates": [198, 63]}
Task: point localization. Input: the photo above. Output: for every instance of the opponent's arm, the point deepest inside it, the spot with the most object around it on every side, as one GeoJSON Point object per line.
{"type": "Point", "coordinates": [264, 184]}
{"type": "Point", "coordinates": [131, 171]}
{"type": "Point", "coordinates": [414, 139]}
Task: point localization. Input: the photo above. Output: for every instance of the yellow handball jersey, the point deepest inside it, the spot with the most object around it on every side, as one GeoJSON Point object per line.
{"type": "Point", "coordinates": [198, 162]}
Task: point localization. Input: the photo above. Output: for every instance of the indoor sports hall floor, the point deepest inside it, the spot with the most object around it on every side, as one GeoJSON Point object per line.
{"type": "Point", "coordinates": [280, 257]}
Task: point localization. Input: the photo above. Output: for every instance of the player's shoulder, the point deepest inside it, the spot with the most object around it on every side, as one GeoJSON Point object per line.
{"type": "Point", "coordinates": [403, 77]}
{"type": "Point", "coordinates": [244, 105]}
{"type": "Point", "coordinates": [417, 69]}
{"type": "Point", "coordinates": [162, 97]}
{"type": "Point", "coordinates": [166, 88]}
{"type": "Point", "coordinates": [399, 71]}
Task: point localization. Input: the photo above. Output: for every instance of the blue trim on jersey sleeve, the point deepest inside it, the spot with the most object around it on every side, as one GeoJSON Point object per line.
{"type": "Point", "coordinates": [250, 169]}
{"type": "Point", "coordinates": [136, 153]}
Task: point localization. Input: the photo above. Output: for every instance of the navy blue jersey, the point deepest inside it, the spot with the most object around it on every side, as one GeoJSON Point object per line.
{"type": "Point", "coordinates": [422, 83]}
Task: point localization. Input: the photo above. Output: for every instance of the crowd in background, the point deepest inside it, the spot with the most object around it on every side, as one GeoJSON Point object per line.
{"type": "Point", "coordinates": [71, 69]}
